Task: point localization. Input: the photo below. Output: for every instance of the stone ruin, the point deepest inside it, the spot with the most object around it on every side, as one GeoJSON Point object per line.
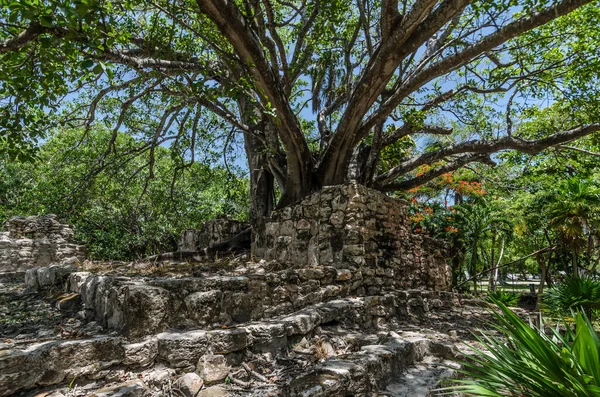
{"type": "Point", "coordinates": [32, 241]}
{"type": "Point", "coordinates": [211, 232]}
{"type": "Point", "coordinates": [361, 229]}
{"type": "Point", "coordinates": [347, 302]}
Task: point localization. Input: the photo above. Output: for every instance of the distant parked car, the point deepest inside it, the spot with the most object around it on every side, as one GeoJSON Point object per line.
{"type": "Point", "coordinates": [512, 277]}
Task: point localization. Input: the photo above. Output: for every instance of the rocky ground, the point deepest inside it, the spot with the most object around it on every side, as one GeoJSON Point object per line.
{"type": "Point", "coordinates": [49, 347]}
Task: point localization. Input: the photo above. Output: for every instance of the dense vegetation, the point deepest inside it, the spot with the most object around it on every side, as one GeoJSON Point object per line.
{"type": "Point", "coordinates": [317, 92]}
{"type": "Point", "coordinates": [118, 209]}
{"type": "Point", "coordinates": [523, 360]}
{"type": "Point", "coordinates": [547, 205]}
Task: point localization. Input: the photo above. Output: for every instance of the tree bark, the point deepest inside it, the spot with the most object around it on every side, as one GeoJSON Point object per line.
{"type": "Point", "coordinates": [262, 186]}
{"type": "Point", "coordinates": [494, 272]}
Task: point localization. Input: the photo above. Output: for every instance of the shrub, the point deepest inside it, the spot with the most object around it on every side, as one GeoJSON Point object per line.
{"type": "Point", "coordinates": [523, 361]}
{"type": "Point", "coordinates": [574, 293]}
{"type": "Point", "coordinates": [506, 298]}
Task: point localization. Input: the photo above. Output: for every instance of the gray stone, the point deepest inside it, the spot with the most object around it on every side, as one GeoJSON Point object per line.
{"type": "Point", "coordinates": [213, 391]}
{"type": "Point", "coordinates": [29, 242]}
{"type": "Point", "coordinates": [146, 310]}
{"type": "Point", "coordinates": [78, 358]}
{"type": "Point", "coordinates": [182, 349]}
{"type": "Point", "coordinates": [142, 353]}
{"type": "Point", "coordinates": [189, 384]}
{"type": "Point", "coordinates": [360, 227]}
{"type": "Point", "coordinates": [268, 337]}
{"type": "Point", "coordinates": [211, 232]}
{"type": "Point", "coordinates": [230, 340]}
{"type": "Point", "coordinates": [132, 388]}
{"type": "Point", "coordinates": [204, 307]}
{"type": "Point", "coordinates": [301, 323]}
{"type": "Point", "coordinates": [159, 376]}
{"type": "Point", "coordinates": [212, 368]}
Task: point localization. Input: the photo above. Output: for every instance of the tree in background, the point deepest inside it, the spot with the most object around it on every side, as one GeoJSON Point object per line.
{"type": "Point", "coordinates": [120, 213]}
{"type": "Point", "coordinates": [316, 92]}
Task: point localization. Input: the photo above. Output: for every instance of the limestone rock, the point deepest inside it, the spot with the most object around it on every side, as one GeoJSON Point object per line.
{"type": "Point", "coordinates": [182, 349]}
{"type": "Point", "coordinates": [212, 368]}
{"type": "Point", "coordinates": [230, 340]}
{"type": "Point", "coordinates": [204, 306]}
{"type": "Point", "coordinates": [213, 391]}
{"type": "Point", "coordinates": [29, 242]}
{"type": "Point", "coordinates": [211, 232]}
{"type": "Point", "coordinates": [189, 384]}
{"type": "Point", "coordinates": [133, 388]}
{"type": "Point", "coordinates": [47, 277]}
{"type": "Point", "coordinates": [146, 309]}
{"type": "Point", "coordinates": [355, 226]}
{"type": "Point", "coordinates": [142, 353]}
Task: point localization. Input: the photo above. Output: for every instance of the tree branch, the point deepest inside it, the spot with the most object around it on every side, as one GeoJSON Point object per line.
{"type": "Point", "coordinates": [408, 35]}
{"type": "Point", "coordinates": [576, 149]}
{"type": "Point", "coordinates": [448, 167]}
{"type": "Point", "coordinates": [465, 56]}
{"type": "Point", "coordinates": [234, 27]}
{"type": "Point", "coordinates": [408, 129]}
{"type": "Point", "coordinates": [28, 35]}
{"type": "Point", "coordinates": [481, 146]}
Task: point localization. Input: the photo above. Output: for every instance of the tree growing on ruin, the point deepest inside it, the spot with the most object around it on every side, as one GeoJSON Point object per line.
{"type": "Point", "coordinates": [319, 92]}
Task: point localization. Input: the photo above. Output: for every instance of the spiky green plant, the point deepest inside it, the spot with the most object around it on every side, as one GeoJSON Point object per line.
{"type": "Point", "coordinates": [575, 293]}
{"type": "Point", "coordinates": [523, 361]}
{"type": "Point", "coordinates": [507, 298]}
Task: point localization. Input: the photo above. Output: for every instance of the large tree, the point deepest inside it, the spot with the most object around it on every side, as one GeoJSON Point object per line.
{"type": "Point", "coordinates": [320, 91]}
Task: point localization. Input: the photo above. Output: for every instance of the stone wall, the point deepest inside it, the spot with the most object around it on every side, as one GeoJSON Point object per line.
{"type": "Point", "coordinates": [211, 232]}
{"type": "Point", "coordinates": [354, 227]}
{"type": "Point", "coordinates": [139, 306]}
{"type": "Point", "coordinates": [28, 242]}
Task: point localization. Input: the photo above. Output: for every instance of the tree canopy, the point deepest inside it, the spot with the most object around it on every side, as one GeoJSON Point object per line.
{"type": "Point", "coordinates": [318, 92]}
{"type": "Point", "coordinates": [118, 213]}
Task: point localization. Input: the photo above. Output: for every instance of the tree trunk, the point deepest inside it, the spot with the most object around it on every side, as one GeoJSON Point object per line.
{"type": "Point", "coordinates": [544, 271]}
{"type": "Point", "coordinates": [574, 263]}
{"type": "Point", "coordinates": [262, 180]}
{"type": "Point", "coordinates": [262, 186]}
{"type": "Point", "coordinates": [494, 274]}
{"type": "Point", "coordinates": [491, 285]}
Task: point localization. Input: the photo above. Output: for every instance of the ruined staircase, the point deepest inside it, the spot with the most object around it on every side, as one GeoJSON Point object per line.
{"type": "Point", "coordinates": [291, 332]}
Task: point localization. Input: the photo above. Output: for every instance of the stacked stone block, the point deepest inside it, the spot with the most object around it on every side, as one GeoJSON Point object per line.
{"type": "Point", "coordinates": [361, 229]}
{"type": "Point", "coordinates": [32, 241]}
{"type": "Point", "coordinates": [211, 232]}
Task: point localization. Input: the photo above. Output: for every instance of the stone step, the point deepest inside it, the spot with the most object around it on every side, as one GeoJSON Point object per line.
{"type": "Point", "coordinates": [40, 364]}
{"type": "Point", "coordinates": [369, 370]}
{"type": "Point", "coordinates": [399, 365]}
{"type": "Point", "coordinates": [423, 379]}
{"type": "Point", "coordinates": [138, 307]}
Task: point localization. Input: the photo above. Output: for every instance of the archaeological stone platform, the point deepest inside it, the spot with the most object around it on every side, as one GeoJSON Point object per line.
{"type": "Point", "coordinates": [32, 241]}
{"type": "Point", "coordinates": [139, 306]}
{"type": "Point", "coordinates": [317, 331]}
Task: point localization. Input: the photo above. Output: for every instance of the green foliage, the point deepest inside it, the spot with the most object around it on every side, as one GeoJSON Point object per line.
{"type": "Point", "coordinates": [523, 361]}
{"type": "Point", "coordinates": [119, 209]}
{"type": "Point", "coordinates": [510, 299]}
{"type": "Point", "coordinates": [575, 293]}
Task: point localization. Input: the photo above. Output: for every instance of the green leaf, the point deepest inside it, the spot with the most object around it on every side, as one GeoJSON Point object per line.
{"type": "Point", "coordinates": [47, 21]}
{"type": "Point", "coordinates": [87, 63]}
